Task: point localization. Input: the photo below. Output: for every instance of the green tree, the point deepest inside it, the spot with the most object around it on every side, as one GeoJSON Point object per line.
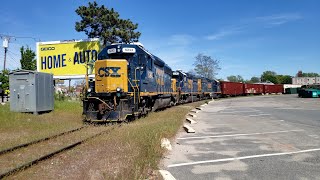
{"type": "Point", "coordinates": [206, 66]}
{"type": "Point", "coordinates": [284, 79]}
{"type": "Point", "coordinates": [269, 76]}
{"type": "Point", "coordinates": [4, 79]}
{"type": "Point", "coordinates": [101, 22]}
{"type": "Point", "coordinates": [237, 78]}
{"type": "Point", "coordinates": [28, 61]}
{"type": "Point", "coordinates": [254, 79]}
{"type": "Point", "coordinates": [311, 74]}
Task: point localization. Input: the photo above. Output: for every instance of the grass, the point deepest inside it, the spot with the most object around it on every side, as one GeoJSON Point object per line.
{"type": "Point", "coordinates": [134, 149]}
{"type": "Point", "coordinates": [17, 128]}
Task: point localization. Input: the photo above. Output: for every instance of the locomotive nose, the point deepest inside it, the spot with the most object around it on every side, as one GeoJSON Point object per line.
{"type": "Point", "coordinates": [111, 75]}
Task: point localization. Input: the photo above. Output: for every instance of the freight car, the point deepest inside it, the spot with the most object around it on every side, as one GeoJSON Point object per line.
{"type": "Point", "coordinates": [273, 88]}
{"type": "Point", "coordinates": [254, 89]}
{"type": "Point", "coordinates": [239, 89]}
{"type": "Point", "coordinates": [130, 82]}
{"type": "Point", "coordinates": [231, 88]}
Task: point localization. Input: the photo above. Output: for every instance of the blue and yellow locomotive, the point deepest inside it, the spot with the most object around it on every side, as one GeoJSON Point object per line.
{"type": "Point", "coordinates": [130, 82]}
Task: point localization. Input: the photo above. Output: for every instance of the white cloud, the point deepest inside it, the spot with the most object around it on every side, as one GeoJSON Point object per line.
{"type": "Point", "coordinates": [176, 50]}
{"type": "Point", "coordinates": [278, 19]}
{"type": "Point", "coordinates": [254, 23]}
{"type": "Point", "coordinates": [180, 39]}
{"type": "Point", "coordinates": [224, 32]}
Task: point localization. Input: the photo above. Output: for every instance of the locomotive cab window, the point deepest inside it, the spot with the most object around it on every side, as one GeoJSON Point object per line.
{"type": "Point", "coordinates": [141, 60]}
{"type": "Point", "coordinates": [140, 56]}
{"type": "Point", "coordinates": [149, 62]}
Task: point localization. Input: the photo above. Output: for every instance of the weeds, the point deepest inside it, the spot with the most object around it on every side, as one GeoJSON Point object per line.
{"type": "Point", "coordinates": [139, 142]}
{"type": "Point", "coordinates": [17, 128]}
{"type": "Point", "coordinates": [132, 151]}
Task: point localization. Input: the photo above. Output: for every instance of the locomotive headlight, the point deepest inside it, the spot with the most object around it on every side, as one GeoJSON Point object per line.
{"type": "Point", "coordinates": [118, 89]}
{"type": "Point", "coordinates": [89, 89]}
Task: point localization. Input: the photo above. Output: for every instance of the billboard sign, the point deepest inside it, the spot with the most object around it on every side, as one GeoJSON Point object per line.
{"type": "Point", "coordinates": [67, 59]}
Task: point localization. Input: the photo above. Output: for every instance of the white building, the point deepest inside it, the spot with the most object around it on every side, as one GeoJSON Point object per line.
{"type": "Point", "coordinates": [306, 80]}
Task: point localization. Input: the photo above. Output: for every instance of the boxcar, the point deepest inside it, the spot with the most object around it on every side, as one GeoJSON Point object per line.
{"type": "Point", "coordinates": [253, 88]}
{"type": "Point", "coordinates": [231, 88]}
{"type": "Point", "coordinates": [274, 88]}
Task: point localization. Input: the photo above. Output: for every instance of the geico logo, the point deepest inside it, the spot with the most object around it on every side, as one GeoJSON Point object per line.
{"type": "Point", "coordinates": [48, 48]}
{"type": "Point", "coordinates": [108, 71]}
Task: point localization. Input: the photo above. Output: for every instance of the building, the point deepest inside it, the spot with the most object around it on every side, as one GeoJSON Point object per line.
{"type": "Point", "coordinates": [306, 80]}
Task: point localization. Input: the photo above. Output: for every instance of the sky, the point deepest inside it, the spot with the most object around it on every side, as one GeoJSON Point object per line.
{"type": "Point", "coordinates": [246, 36]}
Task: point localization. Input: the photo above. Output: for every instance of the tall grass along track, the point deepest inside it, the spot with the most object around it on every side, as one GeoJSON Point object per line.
{"type": "Point", "coordinates": [39, 140]}
{"type": "Point", "coordinates": [28, 163]}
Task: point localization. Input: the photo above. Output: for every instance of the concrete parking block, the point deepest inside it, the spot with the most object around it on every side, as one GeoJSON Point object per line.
{"type": "Point", "coordinates": [188, 129]}
{"type": "Point", "coordinates": [166, 175]}
{"type": "Point", "coordinates": [192, 115]}
{"type": "Point", "coordinates": [194, 111]}
{"type": "Point", "coordinates": [199, 108]}
{"type": "Point", "coordinates": [211, 101]}
{"type": "Point", "coordinates": [191, 121]}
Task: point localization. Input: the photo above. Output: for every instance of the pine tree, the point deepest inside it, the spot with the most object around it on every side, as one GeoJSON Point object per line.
{"type": "Point", "coordinates": [101, 22]}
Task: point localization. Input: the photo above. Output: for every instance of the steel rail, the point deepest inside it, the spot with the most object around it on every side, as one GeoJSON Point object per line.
{"type": "Point", "coordinates": [39, 140]}
{"type": "Point", "coordinates": [47, 156]}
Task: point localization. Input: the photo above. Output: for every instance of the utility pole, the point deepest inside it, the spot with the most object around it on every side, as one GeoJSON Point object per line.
{"type": "Point", "coordinates": [6, 40]}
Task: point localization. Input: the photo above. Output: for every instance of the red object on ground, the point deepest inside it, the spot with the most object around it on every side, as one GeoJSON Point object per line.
{"type": "Point", "coordinates": [274, 88]}
{"type": "Point", "coordinates": [231, 88]}
{"type": "Point", "coordinates": [253, 88]}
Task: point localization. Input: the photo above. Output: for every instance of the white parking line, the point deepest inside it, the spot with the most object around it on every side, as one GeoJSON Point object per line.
{"type": "Point", "coordinates": [289, 108]}
{"type": "Point", "coordinates": [254, 115]}
{"type": "Point", "coordinates": [221, 124]}
{"type": "Point", "coordinates": [235, 135]}
{"type": "Point", "coordinates": [314, 136]}
{"type": "Point", "coordinates": [243, 157]}
{"type": "Point", "coordinates": [231, 112]}
{"type": "Point", "coordinates": [296, 109]}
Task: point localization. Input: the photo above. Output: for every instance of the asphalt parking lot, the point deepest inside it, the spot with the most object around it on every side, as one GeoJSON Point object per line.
{"type": "Point", "coordinates": [257, 137]}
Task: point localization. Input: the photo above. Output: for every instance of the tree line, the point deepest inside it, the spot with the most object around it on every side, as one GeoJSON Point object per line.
{"type": "Point", "coordinates": [271, 76]}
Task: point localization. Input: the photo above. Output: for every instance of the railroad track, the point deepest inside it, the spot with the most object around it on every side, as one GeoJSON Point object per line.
{"type": "Point", "coordinates": [39, 140]}
{"type": "Point", "coordinates": [24, 156]}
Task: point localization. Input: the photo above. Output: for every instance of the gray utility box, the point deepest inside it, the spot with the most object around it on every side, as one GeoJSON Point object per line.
{"type": "Point", "coordinates": [31, 91]}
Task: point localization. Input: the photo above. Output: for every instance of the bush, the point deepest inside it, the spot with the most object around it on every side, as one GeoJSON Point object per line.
{"type": "Point", "coordinates": [60, 96]}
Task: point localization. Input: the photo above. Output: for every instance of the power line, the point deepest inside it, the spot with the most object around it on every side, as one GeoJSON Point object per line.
{"type": "Point", "coordinates": [16, 61]}
{"type": "Point", "coordinates": [21, 37]}
{"type": "Point", "coordinates": [6, 41]}
{"type": "Point", "coordinates": [13, 53]}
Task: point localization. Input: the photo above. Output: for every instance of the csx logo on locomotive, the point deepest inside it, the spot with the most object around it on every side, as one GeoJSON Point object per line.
{"type": "Point", "coordinates": [109, 72]}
